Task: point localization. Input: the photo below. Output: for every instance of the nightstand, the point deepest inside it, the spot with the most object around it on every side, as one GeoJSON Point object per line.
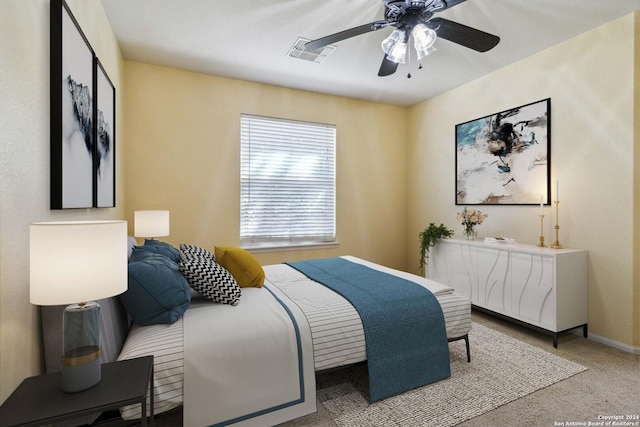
{"type": "Point", "coordinates": [40, 400]}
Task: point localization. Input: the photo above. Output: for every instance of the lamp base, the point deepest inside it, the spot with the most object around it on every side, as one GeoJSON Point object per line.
{"type": "Point", "coordinates": [81, 366]}
{"type": "Point", "coordinates": [82, 372]}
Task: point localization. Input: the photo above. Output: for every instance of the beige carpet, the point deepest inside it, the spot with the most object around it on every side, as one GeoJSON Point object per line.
{"type": "Point", "coordinates": [502, 369]}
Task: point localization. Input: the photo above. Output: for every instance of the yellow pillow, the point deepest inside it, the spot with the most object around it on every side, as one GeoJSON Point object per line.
{"type": "Point", "coordinates": [242, 265]}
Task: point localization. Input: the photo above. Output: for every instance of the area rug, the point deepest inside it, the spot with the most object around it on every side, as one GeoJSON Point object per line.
{"type": "Point", "coordinates": [502, 369]}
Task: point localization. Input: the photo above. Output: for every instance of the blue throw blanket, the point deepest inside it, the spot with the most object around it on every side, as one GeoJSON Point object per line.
{"type": "Point", "coordinates": [403, 324]}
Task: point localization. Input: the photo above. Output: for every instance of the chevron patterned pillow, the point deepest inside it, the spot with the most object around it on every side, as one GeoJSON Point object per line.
{"type": "Point", "coordinates": [195, 252]}
{"type": "Point", "coordinates": [211, 280]}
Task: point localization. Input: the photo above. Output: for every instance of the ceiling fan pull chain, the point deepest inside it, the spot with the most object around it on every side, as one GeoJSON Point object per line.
{"type": "Point", "coordinates": [409, 62]}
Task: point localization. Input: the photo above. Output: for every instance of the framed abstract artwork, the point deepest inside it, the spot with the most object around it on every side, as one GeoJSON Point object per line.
{"type": "Point", "coordinates": [104, 154]}
{"type": "Point", "coordinates": [82, 118]}
{"type": "Point", "coordinates": [72, 124]}
{"type": "Point", "coordinates": [504, 158]}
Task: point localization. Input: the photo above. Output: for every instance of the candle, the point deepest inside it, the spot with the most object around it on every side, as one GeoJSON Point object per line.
{"type": "Point", "coordinates": [557, 191]}
{"type": "Point", "coordinates": [541, 204]}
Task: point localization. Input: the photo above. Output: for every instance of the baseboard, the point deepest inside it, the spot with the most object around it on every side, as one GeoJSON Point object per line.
{"type": "Point", "coordinates": [614, 344]}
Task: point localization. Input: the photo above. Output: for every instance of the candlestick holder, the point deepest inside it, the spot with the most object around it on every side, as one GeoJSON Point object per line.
{"type": "Point", "coordinates": [541, 242]}
{"type": "Point", "coordinates": [556, 244]}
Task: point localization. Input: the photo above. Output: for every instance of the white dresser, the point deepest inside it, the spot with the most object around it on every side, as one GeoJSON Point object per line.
{"type": "Point", "coordinates": [543, 288]}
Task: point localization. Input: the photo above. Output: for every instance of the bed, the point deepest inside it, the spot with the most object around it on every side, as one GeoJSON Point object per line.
{"type": "Point", "coordinates": [313, 329]}
{"type": "Point", "coordinates": [338, 336]}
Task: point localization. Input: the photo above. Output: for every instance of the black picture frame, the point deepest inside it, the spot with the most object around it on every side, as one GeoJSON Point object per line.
{"type": "Point", "coordinates": [105, 137]}
{"type": "Point", "coordinates": [72, 115]}
{"type": "Point", "coordinates": [505, 158]}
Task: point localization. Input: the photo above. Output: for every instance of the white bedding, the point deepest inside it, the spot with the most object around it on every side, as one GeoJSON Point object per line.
{"type": "Point", "coordinates": [260, 370]}
{"type": "Point", "coordinates": [335, 330]}
{"type": "Point", "coordinates": [250, 364]}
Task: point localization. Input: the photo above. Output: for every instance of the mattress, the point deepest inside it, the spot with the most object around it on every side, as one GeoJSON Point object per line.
{"type": "Point", "coordinates": [336, 329]}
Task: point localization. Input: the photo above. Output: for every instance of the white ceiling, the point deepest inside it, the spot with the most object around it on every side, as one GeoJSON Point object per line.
{"type": "Point", "coordinates": [250, 39]}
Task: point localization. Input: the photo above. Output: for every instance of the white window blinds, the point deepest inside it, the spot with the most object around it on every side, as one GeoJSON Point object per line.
{"type": "Point", "coordinates": [287, 181]}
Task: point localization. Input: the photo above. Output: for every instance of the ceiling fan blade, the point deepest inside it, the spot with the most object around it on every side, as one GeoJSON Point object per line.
{"type": "Point", "coordinates": [346, 34]}
{"type": "Point", "coordinates": [387, 67]}
{"type": "Point", "coordinates": [463, 35]}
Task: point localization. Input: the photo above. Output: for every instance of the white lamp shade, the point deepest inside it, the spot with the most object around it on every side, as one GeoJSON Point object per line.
{"type": "Point", "coordinates": [80, 261]}
{"type": "Point", "coordinates": [151, 223]}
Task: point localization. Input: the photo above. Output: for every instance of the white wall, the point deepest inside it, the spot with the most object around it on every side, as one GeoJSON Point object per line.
{"type": "Point", "coordinates": [24, 164]}
{"type": "Point", "coordinates": [590, 80]}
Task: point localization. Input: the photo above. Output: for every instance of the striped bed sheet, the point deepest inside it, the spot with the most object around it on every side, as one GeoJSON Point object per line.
{"type": "Point", "coordinates": [336, 329]}
{"type": "Point", "coordinates": [165, 343]}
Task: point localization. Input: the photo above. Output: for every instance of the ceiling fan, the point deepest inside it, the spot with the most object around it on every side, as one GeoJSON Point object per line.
{"type": "Point", "coordinates": [413, 19]}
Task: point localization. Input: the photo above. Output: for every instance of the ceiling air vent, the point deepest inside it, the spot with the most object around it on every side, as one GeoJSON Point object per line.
{"type": "Point", "coordinates": [317, 55]}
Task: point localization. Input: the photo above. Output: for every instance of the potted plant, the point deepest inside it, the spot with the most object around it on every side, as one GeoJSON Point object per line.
{"type": "Point", "coordinates": [428, 238]}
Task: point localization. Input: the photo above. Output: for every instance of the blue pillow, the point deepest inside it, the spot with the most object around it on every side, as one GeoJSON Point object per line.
{"type": "Point", "coordinates": [157, 292]}
{"type": "Point", "coordinates": [158, 247]}
{"type": "Point", "coordinates": [141, 252]}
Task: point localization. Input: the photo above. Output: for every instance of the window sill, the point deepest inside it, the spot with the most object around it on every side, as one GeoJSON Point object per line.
{"type": "Point", "coordinates": [284, 247]}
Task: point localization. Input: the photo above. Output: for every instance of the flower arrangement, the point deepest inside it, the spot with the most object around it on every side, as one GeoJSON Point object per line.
{"type": "Point", "coordinates": [469, 219]}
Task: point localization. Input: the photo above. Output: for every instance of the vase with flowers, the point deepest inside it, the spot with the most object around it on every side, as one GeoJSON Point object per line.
{"type": "Point", "coordinates": [469, 219]}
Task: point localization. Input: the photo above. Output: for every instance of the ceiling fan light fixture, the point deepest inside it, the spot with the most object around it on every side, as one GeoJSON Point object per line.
{"type": "Point", "coordinates": [425, 52]}
{"type": "Point", "coordinates": [398, 53]}
{"type": "Point", "coordinates": [423, 40]}
{"type": "Point", "coordinates": [395, 47]}
{"type": "Point", "coordinates": [413, 18]}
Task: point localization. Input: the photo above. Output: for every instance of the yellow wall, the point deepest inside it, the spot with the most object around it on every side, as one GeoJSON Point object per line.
{"type": "Point", "coordinates": [184, 155]}
{"type": "Point", "coordinates": [590, 80]}
{"type": "Point", "coordinates": [24, 163]}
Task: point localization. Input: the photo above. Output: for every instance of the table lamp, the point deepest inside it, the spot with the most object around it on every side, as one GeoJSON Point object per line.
{"type": "Point", "coordinates": [75, 263]}
{"type": "Point", "coordinates": [151, 224]}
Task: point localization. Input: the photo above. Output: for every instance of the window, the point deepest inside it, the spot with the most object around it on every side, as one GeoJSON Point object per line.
{"type": "Point", "coordinates": [287, 182]}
